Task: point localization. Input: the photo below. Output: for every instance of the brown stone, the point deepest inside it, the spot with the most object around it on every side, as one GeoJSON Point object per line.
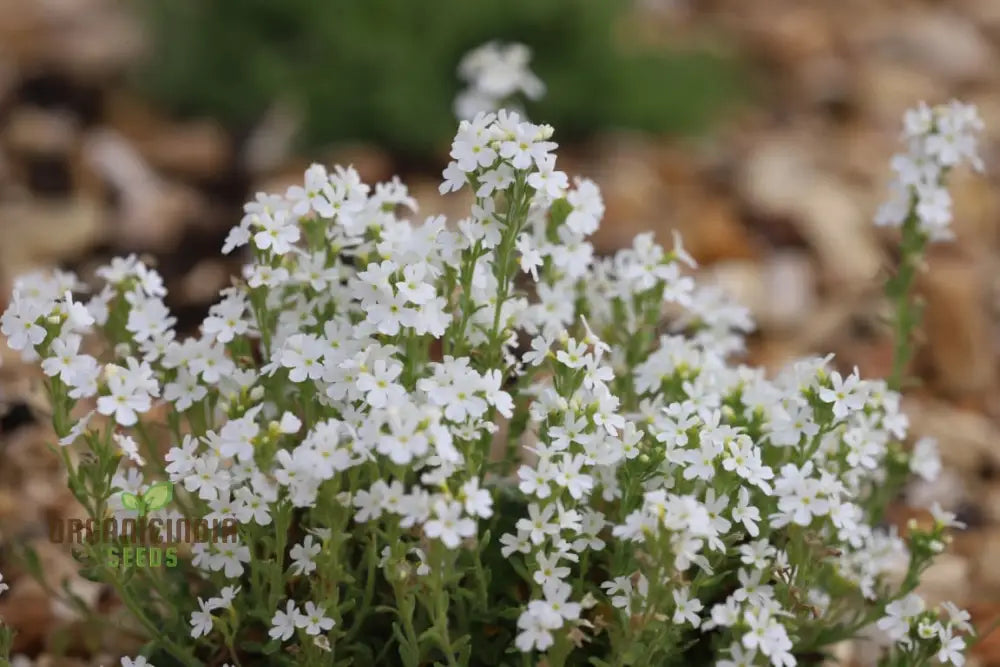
{"type": "Point", "coordinates": [780, 178]}
{"type": "Point", "coordinates": [26, 609]}
{"type": "Point", "coordinates": [989, 502]}
{"type": "Point", "coordinates": [711, 229]}
{"type": "Point", "coordinates": [984, 617]}
{"type": "Point", "coordinates": [967, 440]}
{"type": "Point", "coordinates": [985, 572]}
{"type": "Point", "coordinates": [38, 233]}
{"type": "Point", "coordinates": [40, 131]}
{"type": "Point", "coordinates": [793, 34]}
{"type": "Point", "coordinates": [976, 207]}
{"type": "Point", "coordinates": [157, 222]}
{"type": "Point", "coordinates": [201, 284]}
{"type": "Point", "coordinates": [943, 43]}
{"type": "Point", "coordinates": [959, 336]}
{"type": "Point", "coordinates": [946, 580]}
{"type": "Point", "coordinates": [49, 660]}
{"type": "Point", "coordinates": [886, 89]}
{"type": "Point", "coordinates": [198, 149]}
{"type": "Point", "coordinates": [779, 291]}
{"type": "Point", "coordinates": [73, 36]}
{"type": "Point", "coordinates": [634, 197]}
{"type": "Point", "coordinates": [153, 212]}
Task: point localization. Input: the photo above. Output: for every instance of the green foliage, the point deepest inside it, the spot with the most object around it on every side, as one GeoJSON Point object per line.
{"type": "Point", "coordinates": [6, 640]}
{"type": "Point", "coordinates": [384, 70]}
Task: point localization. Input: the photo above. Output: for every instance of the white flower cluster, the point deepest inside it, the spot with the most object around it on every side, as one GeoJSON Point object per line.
{"type": "Point", "coordinates": [921, 632]}
{"type": "Point", "coordinates": [390, 382]}
{"type": "Point", "coordinates": [495, 73]}
{"type": "Point", "coordinates": [937, 139]}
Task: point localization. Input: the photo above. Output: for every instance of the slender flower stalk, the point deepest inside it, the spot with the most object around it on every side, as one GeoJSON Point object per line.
{"type": "Point", "coordinates": [936, 140]}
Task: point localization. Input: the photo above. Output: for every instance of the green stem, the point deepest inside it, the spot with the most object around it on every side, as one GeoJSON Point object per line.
{"type": "Point", "coordinates": [906, 315]}
{"type": "Point", "coordinates": [178, 651]}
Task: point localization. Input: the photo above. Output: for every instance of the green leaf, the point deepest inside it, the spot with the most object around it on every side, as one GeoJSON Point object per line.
{"type": "Point", "coordinates": [78, 602]}
{"type": "Point", "coordinates": [408, 653]}
{"type": "Point", "coordinates": [130, 501]}
{"type": "Point", "coordinates": [158, 495]}
{"type": "Point", "coordinates": [32, 562]}
{"type": "Point", "coordinates": [558, 212]}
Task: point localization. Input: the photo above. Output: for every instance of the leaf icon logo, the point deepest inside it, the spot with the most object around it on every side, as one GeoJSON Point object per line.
{"type": "Point", "coordinates": [156, 497]}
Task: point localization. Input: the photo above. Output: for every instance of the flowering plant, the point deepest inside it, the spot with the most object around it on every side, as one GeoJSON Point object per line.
{"type": "Point", "coordinates": [483, 445]}
{"type": "Point", "coordinates": [495, 74]}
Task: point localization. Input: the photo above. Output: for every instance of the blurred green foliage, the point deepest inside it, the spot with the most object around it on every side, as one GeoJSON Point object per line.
{"type": "Point", "coordinates": [384, 70]}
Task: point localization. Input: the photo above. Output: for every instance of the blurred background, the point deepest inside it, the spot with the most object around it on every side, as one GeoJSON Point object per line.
{"type": "Point", "coordinates": [760, 130]}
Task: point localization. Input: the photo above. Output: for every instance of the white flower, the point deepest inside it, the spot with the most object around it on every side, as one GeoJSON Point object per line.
{"type": "Point", "coordinates": [937, 139]}
{"type": "Point", "coordinates": [129, 448]}
{"type": "Point", "coordinates": [226, 597]}
{"type": "Point", "coordinates": [129, 394]}
{"type": "Point", "coordinates": [303, 556]}
{"type": "Point", "coordinates": [896, 622]}
{"type": "Point", "coordinates": [686, 608]}
{"type": "Point", "coordinates": [206, 477]}
{"type": "Point", "coordinates": [19, 325]}
{"type": "Point", "coordinates": [847, 394]}
{"type": "Point", "coordinates": [139, 661]}
{"type": "Point", "coordinates": [495, 72]}
{"type": "Point", "coordinates": [283, 623]}
{"type": "Point", "coordinates": [538, 524]}
{"type": "Point", "coordinates": [448, 525]}
{"type": "Point", "coordinates": [478, 502]}
{"type": "Point", "coordinates": [201, 620]}
{"type": "Point", "coordinates": [185, 390]}
{"type": "Point", "coordinates": [534, 633]}
{"type": "Point", "coordinates": [277, 234]}
{"type": "Point", "coordinates": [379, 385]}
{"type": "Point", "coordinates": [925, 460]}
{"type": "Point", "coordinates": [515, 544]}
{"type": "Point", "coordinates": [959, 618]}
{"type": "Point", "coordinates": [303, 355]}
{"type": "Point", "coordinates": [312, 197]}
{"type": "Point", "coordinates": [549, 568]}
{"type": "Point", "coordinates": [738, 657]}
{"type": "Point", "coordinates": [77, 431]}
{"type": "Point", "coordinates": [747, 514]}
{"type": "Point", "coordinates": [230, 559]}
{"type": "Point", "coordinates": [313, 620]}
{"type": "Point", "coordinates": [952, 648]}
